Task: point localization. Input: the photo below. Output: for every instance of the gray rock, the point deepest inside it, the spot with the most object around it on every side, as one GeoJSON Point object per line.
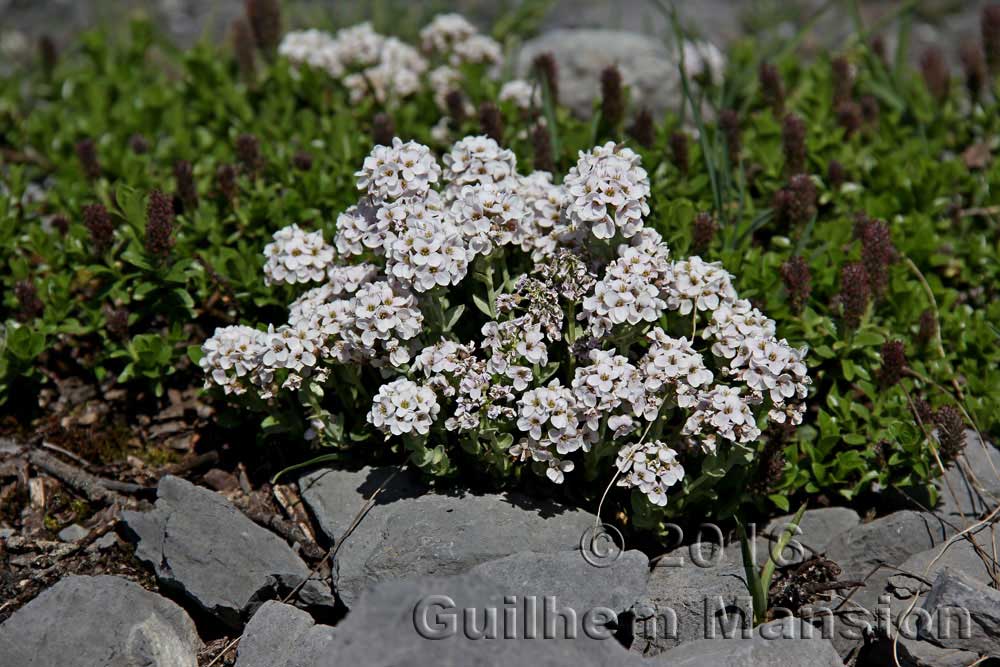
{"type": "Point", "coordinates": [202, 546]}
{"type": "Point", "coordinates": [105, 620]}
{"type": "Point", "coordinates": [104, 542]}
{"type": "Point", "coordinates": [411, 531]}
{"type": "Point", "coordinates": [962, 614]}
{"type": "Point", "coordinates": [769, 644]}
{"type": "Point", "coordinates": [569, 578]}
{"type": "Point", "coordinates": [696, 592]}
{"type": "Point", "coordinates": [817, 529]}
{"type": "Point", "coordinates": [959, 555]}
{"type": "Point", "coordinates": [423, 622]}
{"type": "Point", "coordinates": [647, 67]}
{"type": "Point", "coordinates": [891, 540]}
{"type": "Point", "coordinates": [73, 533]}
{"type": "Point", "coordinates": [925, 654]}
{"type": "Point", "coordinates": [973, 478]}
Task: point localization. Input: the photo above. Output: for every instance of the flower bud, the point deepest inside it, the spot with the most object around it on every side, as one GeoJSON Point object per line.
{"type": "Point", "coordinates": [854, 293]}
{"type": "Point", "coordinates": [490, 121]}
{"type": "Point", "coordinates": [793, 139]}
{"type": "Point", "coordinates": [544, 159]}
{"type": "Point", "coordinates": [98, 223]}
{"type": "Point", "coordinates": [772, 88]}
{"type": "Point", "coordinates": [798, 282]}
{"type": "Point", "coordinates": [86, 152]}
{"type": "Point", "coordinates": [937, 78]}
{"type": "Point", "coordinates": [729, 125]}
{"type": "Point", "coordinates": [703, 232]}
{"type": "Point", "coordinates": [243, 48]}
{"type": "Point", "coordinates": [159, 225]}
{"type": "Point", "coordinates": [264, 17]}
{"type": "Point", "coordinates": [383, 129]}
{"type": "Point", "coordinates": [548, 73]}
{"type": "Point", "coordinates": [679, 150]}
{"type": "Point", "coordinates": [951, 432]}
{"type": "Point", "coordinates": [612, 99]}
{"type": "Point", "coordinates": [893, 355]}
{"type": "Point", "coordinates": [29, 306]}
{"type": "Point", "coordinates": [642, 129]}
{"type": "Point", "coordinates": [248, 154]}
{"type": "Point", "coordinates": [187, 191]}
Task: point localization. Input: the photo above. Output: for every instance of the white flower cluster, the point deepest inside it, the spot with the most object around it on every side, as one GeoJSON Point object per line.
{"type": "Point", "coordinates": [599, 295]}
{"type": "Point", "coordinates": [296, 256]}
{"type": "Point", "coordinates": [454, 38]}
{"type": "Point", "coordinates": [523, 94]}
{"type": "Point", "coordinates": [403, 406]}
{"type": "Point", "coordinates": [651, 467]}
{"type": "Point", "coordinates": [608, 191]}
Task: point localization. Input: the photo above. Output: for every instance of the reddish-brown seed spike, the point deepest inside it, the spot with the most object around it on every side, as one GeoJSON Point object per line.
{"type": "Point", "coordinates": [703, 230]}
{"type": "Point", "coordinates": [877, 253]}
{"type": "Point", "coordinates": [974, 65]}
{"type": "Point", "coordinates": [248, 154]}
{"type": "Point", "coordinates": [383, 129]}
{"type": "Point", "coordinates": [772, 88]}
{"type": "Point", "coordinates": [990, 26]}
{"type": "Point", "coordinates": [60, 223]}
{"type": "Point", "coordinates": [679, 151]}
{"type": "Point", "coordinates": [951, 431]}
{"type": "Point", "coordinates": [836, 175]}
{"type": "Point", "coordinates": [937, 78]}
{"type": "Point", "coordinates": [642, 128]}
{"type": "Point", "coordinates": [544, 159]}
{"type": "Point", "coordinates": [878, 48]}
{"type": "Point", "coordinates": [98, 222]}
{"type": "Point", "coordinates": [490, 121]}
{"type": "Point", "coordinates": [797, 277]}
{"type": "Point", "coordinates": [730, 126]}
{"type": "Point", "coordinates": [159, 225]}
{"type": "Point", "coordinates": [138, 144]}
{"type": "Point", "coordinates": [843, 80]}
{"type": "Point", "coordinates": [612, 98]}
{"type": "Point", "coordinates": [302, 161]}
{"type": "Point", "coordinates": [455, 103]}
{"type": "Point", "coordinates": [225, 179]}
{"type": "Point", "coordinates": [86, 152]}
{"type": "Point", "coordinates": [29, 306]}
{"type": "Point", "coordinates": [264, 17]}
{"type": "Point", "coordinates": [850, 116]}
{"type": "Point", "coordinates": [187, 190]}
{"type": "Point", "coordinates": [793, 138]}
{"type": "Point", "coordinates": [243, 48]}
{"type": "Point", "coordinates": [893, 355]}
{"type": "Point", "coordinates": [927, 327]}
{"type": "Point", "coordinates": [116, 322]}
{"type": "Point", "coordinates": [547, 70]}
{"type": "Point", "coordinates": [869, 110]}
{"type": "Point", "coordinates": [48, 54]}
{"type": "Point", "coordinates": [855, 294]}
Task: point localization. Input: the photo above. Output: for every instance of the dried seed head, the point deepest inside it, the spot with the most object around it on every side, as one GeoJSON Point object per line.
{"type": "Point", "coordinates": [951, 432]}
{"type": "Point", "coordinates": [729, 124]}
{"type": "Point", "coordinates": [927, 328]}
{"type": "Point", "coordinates": [116, 322]}
{"type": "Point", "coordinates": [454, 101]}
{"type": "Point", "coordinates": [243, 48]}
{"type": "Point", "coordinates": [302, 161]}
{"type": "Point", "coordinates": [547, 72]}
{"type": "Point", "coordinates": [642, 129]}
{"type": "Point", "coordinates": [877, 253]}
{"type": "Point", "coordinates": [159, 225]}
{"type": "Point", "coordinates": [974, 64]}
{"type": "Point", "coordinates": [679, 151]}
{"type": "Point", "coordinates": [795, 204]}
{"type": "Point", "coordinates": [138, 144]}
{"type": "Point", "coordinates": [248, 154]}
{"type": "Point", "coordinates": [703, 230]}
{"type": "Point", "coordinates": [878, 47]}
{"type": "Point", "coordinates": [770, 467]}
{"type": "Point", "coordinates": [937, 78]}
{"type": "Point", "coordinates": [793, 139]}
{"type": "Point", "coordinates": [923, 412]}
{"type": "Point", "coordinates": [98, 223]}
{"type": "Point", "coordinates": [798, 282]}
{"type": "Point", "coordinates": [854, 293]}
{"type": "Point", "coordinates": [893, 355]}
{"type": "Point", "coordinates": [869, 110]}
{"type": "Point", "coordinates": [86, 152]}
{"type": "Point", "coordinates": [843, 80]}
{"type": "Point", "coordinates": [225, 179]}
{"type": "Point", "coordinates": [264, 17]}
{"type": "Point", "coordinates": [187, 191]}
{"type": "Point", "coordinates": [490, 121]}
{"type": "Point", "coordinates": [29, 306]}
{"type": "Point", "coordinates": [60, 223]}
{"type": "Point", "coordinates": [772, 88]}
{"type": "Point", "coordinates": [544, 159]}
{"type": "Point", "coordinates": [612, 98]}
{"type": "Point", "coordinates": [383, 129]}
{"type": "Point", "coordinates": [836, 176]}
{"type": "Point", "coordinates": [849, 116]}
{"type": "Point", "coordinates": [990, 26]}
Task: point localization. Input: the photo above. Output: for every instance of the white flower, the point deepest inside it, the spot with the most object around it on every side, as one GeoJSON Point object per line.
{"type": "Point", "coordinates": [703, 60]}
{"type": "Point", "coordinates": [608, 191]}
{"type": "Point", "coordinates": [523, 94]}
{"type": "Point", "coordinates": [488, 216]}
{"type": "Point", "coordinates": [424, 249]}
{"type": "Point", "coordinates": [476, 160]}
{"type": "Point", "coordinates": [549, 416]}
{"type": "Point", "coordinates": [651, 467]}
{"type": "Point", "coordinates": [230, 355]}
{"type": "Point", "coordinates": [314, 48]}
{"type": "Point", "coordinates": [444, 31]}
{"type": "Point", "coordinates": [296, 256]}
{"type": "Point", "coordinates": [477, 49]}
{"type": "Point", "coordinates": [403, 406]}
{"type": "Point", "coordinates": [695, 283]}
{"type": "Point", "coordinates": [403, 169]}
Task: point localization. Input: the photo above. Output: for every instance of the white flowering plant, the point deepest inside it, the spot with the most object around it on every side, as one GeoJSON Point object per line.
{"type": "Point", "coordinates": [472, 315]}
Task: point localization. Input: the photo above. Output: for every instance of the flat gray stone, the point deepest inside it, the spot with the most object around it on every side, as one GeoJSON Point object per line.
{"type": "Point", "coordinates": [817, 529]}
{"type": "Point", "coordinates": [648, 68]}
{"type": "Point", "coordinates": [974, 479]}
{"type": "Point", "coordinates": [963, 614]}
{"type": "Point", "coordinates": [959, 555]}
{"type": "Point", "coordinates": [769, 645]}
{"type": "Point", "coordinates": [696, 592]}
{"type": "Point", "coordinates": [73, 533]}
{"type": "Point", "coordinates": [105, 620]}
{"type": "Point", "coordinates": [411, 531]}
{"type": "Point", "coordinates": [425, 622]}
{"type": "Point", "coordinates": [201, 546]}
{"type": "Point", "coordinates": [569, 578]}
{"type": "Point", "coordinates": [925, 654]}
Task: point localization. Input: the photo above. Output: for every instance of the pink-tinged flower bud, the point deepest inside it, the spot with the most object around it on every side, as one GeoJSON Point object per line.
{"type": "Point", "coordinates": [98, 222]}
{"type": "Point", "coordinates": [855, 293]}
{"type": "Point", "coordinates": [798, 282]}
{"type": "Point", "coordinates": [893, 355]}
{"type": "Point", "coordinates": [793, 139]}
{"type": "Point", "coordinates": [159, 225]}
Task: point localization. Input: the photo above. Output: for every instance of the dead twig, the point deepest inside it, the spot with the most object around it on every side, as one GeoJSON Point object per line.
{"type": "Point", "coordinates": [92, 486]}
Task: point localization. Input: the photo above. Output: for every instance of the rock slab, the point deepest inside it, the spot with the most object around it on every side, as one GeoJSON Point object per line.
{"type": "Point", "coordinates": [109, 621]}
{"type": "Point", "coordinates": [963, 614]}
{"type": "Point", "coordinates": [769, 645]}
{"type": "Point", "coordinates": [411, 531]}
{"type": "Point", "coordinates": [200, 545]}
